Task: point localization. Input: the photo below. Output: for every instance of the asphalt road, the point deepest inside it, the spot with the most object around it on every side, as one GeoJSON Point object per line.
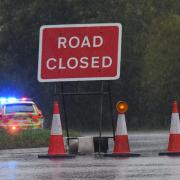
{"type": "Point", "coordinates": [23, 164]}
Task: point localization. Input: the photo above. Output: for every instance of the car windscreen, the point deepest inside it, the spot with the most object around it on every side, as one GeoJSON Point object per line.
{"type": "Point", "coordinates": [15, 108]}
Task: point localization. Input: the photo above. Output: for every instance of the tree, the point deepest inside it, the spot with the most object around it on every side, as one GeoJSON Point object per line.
{"type": "Point", "coordinates": [19, 33]}
{"type": "Point", "coordinates": [160, 80]}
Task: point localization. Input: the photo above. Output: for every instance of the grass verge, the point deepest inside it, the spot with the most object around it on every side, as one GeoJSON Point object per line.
{"type": "Point", "coordinates": [28, 138]}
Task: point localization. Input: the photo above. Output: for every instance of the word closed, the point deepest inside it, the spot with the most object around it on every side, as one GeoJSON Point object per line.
{"type": "Point", "coordinates": [79, 52]}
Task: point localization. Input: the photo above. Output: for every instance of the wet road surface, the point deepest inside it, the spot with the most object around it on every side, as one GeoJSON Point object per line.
{"type": "Point", "coordinates": [23, 164]}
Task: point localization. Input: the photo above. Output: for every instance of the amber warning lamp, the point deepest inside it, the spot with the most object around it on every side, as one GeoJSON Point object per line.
{"type": "Point", "coordinates": [121, 107]}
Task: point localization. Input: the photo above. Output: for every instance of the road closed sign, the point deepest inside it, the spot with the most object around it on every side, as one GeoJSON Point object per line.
{"type": "Point", "coordinates": [79, 52]}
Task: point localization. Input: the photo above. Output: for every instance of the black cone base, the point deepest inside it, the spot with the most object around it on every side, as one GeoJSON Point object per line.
{"type": "Point", "coordinates": [119, 154]}
{"type": "Point", "coordinates": [169, 154]}
{"type": "Point", "coordinates": [57, 156]}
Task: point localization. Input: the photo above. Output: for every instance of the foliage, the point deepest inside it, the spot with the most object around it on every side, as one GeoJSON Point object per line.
{"type": "Point", "coordinates": [161, 64]}
{"type": "Point", "coordinates": [149, 27]}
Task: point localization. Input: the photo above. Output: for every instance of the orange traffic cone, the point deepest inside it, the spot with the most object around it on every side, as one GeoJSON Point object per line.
{"type": "Point", "coordinates": [56, 142]}
{"type": "Point", "coordinates": [121, 143]}
{"type": "Point", "coordinates": [174, 136]}
{"type": "Point", "coordinates": [121, 137]}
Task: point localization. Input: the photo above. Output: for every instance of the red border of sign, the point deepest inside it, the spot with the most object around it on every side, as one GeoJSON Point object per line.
{"type": "Point", "coordinates": [80, 79]}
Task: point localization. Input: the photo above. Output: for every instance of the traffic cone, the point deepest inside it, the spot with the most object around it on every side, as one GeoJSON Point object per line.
{"type": "Point", "coordinates": [56, 142]}
{"type": "Point", "coordinates": [121, 142]}
{"type": "Point", "coordinates": [56, 147]}
{"type": "Point", "coordinates": [174, 136]}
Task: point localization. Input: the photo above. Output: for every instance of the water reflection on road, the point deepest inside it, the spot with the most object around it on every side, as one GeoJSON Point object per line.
{"type": "Point", "coordinates": [24, 164]}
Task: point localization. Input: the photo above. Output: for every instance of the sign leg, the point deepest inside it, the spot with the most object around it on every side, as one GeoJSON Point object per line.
{"type": "Point", "coordinates": [65, 114]}
{"type": "Point", "coordinates": [111, 108]}
{"type": "Point", "coordinates": [101, 115]}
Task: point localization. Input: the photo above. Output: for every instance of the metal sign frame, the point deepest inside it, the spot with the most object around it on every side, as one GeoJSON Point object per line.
{"type": "Point", "coordinates": [101, 93]}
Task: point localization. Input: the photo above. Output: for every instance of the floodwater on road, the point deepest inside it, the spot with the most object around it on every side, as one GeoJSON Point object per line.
{"type": "Point", "coordinates": [23, 164]}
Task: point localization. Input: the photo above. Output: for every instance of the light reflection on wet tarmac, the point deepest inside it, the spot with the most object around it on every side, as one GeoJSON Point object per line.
{"type": "Point", "coordinates": [24, 164]}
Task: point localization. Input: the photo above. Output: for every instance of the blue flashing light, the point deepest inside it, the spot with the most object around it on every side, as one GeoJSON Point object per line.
{"type": "Point", "coordinates": [4, 100]}
{"type": "Point", "coordinates": [12, 100]}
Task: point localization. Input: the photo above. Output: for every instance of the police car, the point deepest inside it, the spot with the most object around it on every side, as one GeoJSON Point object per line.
{"type": "Point", "coordinates": [17, 114]}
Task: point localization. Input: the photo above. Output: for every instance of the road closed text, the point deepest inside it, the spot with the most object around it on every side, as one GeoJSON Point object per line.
{"type": "Point", "coordinates": [82, 62]}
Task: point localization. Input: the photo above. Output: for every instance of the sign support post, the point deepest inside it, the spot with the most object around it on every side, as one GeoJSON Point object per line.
{"type": "Point", "coordinates": [101, 115]}
{"type": "Point", "coordinates": [65, 114]}
{"type": "Point", "coordinates": [111, 108]}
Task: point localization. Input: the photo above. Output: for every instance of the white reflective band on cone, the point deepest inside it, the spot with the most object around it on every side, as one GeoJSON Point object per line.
{"type": "Point", "coordinates": [121, 128]}
{"type": "Point", "coordinates": [175, 124]}
{"type": "Point", "coordinates": [56, 128]}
